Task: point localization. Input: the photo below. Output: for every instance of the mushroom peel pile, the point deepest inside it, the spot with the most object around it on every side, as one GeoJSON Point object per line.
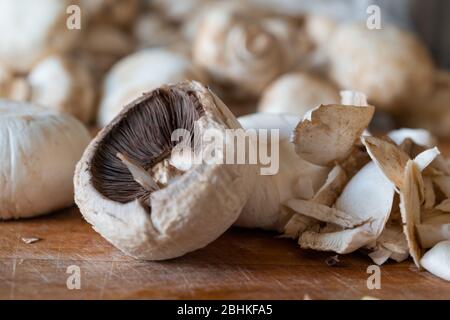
{"type": "Point", "coordinates": [384, 197]}
{"type": "Point", "coordinates": [130, 186]}
{"type": "Point", "coordinates": [39, 145]}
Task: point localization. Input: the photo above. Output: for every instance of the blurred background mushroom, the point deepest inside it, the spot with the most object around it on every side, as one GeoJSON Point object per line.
{"type": "Point", "coordinates": [281, 56]}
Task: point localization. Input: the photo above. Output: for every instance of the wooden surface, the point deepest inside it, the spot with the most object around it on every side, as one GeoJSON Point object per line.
{"type": "Point", "coordinates": [242, 264]}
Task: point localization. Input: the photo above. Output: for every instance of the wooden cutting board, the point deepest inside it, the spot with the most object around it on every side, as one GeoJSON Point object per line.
{"type": "Point", "coordinates": [242, 264]}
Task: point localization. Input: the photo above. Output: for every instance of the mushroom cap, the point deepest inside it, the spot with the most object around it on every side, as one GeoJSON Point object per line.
{"type": "Point", "coordinates": [186, 214]}
{"type": "Point", "coordinates": [31, 30]}
{"type": "Point", "coordinates": [297, 93]}
{"type": "Point", "coordinates": [378, 63]}
{"type": "Point", "coordinates": [437, 260]}
{"type": "Point", "coordinates": [65, 85]}
{"type": "Point", "coordinates": [140, 72]}
{"type": "Point", "coordinates": [39, 149]}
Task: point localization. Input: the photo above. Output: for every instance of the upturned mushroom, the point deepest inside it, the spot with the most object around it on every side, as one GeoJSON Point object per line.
{"type": "Point", "coordinates": [39, 149]}
{"type": "Point", "coordinates": [377, 62]}
{"type": "Point", "coordinates": [297, 93]}
{"type": "Point", "coordinates": [130, 77]}
{"type": "Point", "coordinates": [32, 30]}
{"type": "Point", "coordinates": [134, 187]}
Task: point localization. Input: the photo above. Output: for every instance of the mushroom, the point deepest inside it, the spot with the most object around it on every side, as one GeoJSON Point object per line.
{"type": "Point", "coordinates": [39, 148]}
{"type": "Point", "coordinates": [431, 112]}
{"type": "Point", "coordinates": [134, 187]}
{"type": "Point", "coordinates": [295, 178]}
{"type": "Point", "coordinates": [152, 30]}
{"type": "Point", "coordinates": [297, 93]}
{"type": "Point", "coordinates": [64, 84]}
{"type": "Point", "coordinates": [32, 30]}
{"type": "Point", "coordinates": [378, 63]}
{"type": "Point", "coordinates": [178, 11]}
{"type": "Point", "coordinates": [138, 73]}
{"type": "Point", "coordinates": [103, 45]}
{"type": "Point", "coordinates": [245, 49]}
{"type": "Point", "coordinates": [437, 260]}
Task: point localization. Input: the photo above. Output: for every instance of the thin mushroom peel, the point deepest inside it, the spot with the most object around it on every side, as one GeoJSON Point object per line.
{"type": "Point", "coordinates": [118, 184]}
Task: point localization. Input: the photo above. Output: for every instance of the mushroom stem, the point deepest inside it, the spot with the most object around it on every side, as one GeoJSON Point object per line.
{"type": "Point", "coordinates": [140, 175]}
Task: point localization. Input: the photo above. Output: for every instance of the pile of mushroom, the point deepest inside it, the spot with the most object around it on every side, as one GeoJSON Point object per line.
{"type": "Point", "coordinates": [387, 196]}
{"type": "Point", "coordinates": [338, 187]}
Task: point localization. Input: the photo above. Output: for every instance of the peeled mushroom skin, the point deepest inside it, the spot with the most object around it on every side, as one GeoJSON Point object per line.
{"type": "Point", "coordinates": [39, 149]}
{"type": "Point", "coordinates": [297, 93]}
{"type": "Point", "coordinates": [328, 133]}
{"type": "Point", "coordinates": [140, 72]}
{"type": "Point", "coordinates": [377, 62]}
{"type": "Point", "coordinates": [191, 208]}
{"type": "Point", "coordinates": [437, 260]}
{"type": "Point", "coordinates": [32, 30]}
{"type": "Point", "coordinates": [63, 84]}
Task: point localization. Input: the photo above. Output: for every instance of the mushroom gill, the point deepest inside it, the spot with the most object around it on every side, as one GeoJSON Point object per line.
{"type": "Point", "coordinates": [141, 134]}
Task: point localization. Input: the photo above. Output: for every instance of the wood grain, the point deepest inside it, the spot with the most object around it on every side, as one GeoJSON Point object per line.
{"type": "Point", "coordinates": [242, 264]}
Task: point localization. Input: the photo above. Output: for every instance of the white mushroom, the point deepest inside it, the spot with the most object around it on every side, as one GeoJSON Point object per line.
{"type": "Point", "coordinates": [140, 72]}
{"type": "Point", "coordinates": [185, 210]}
{"type": "Point", "coordinates": [378, 63]}
{"type": "Point", "coordinates": [39, 148]}
{"type": "Point", "coordinates": [153, 30]}
{"type": "Point", "coordinates": [437, 260]}
{"type": "Point", "coordinates": [264, 208]}
{"type": "Point", "coordinates": [33, 29]}
{"type": "Point", "coordinates": [63, 84]}
{"type": "Point", "coordinates": [243, 48]}
{"type": "Point", "coordinates": [431, 112]}
{"type": "Point", "coordinates": [297, 93]}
